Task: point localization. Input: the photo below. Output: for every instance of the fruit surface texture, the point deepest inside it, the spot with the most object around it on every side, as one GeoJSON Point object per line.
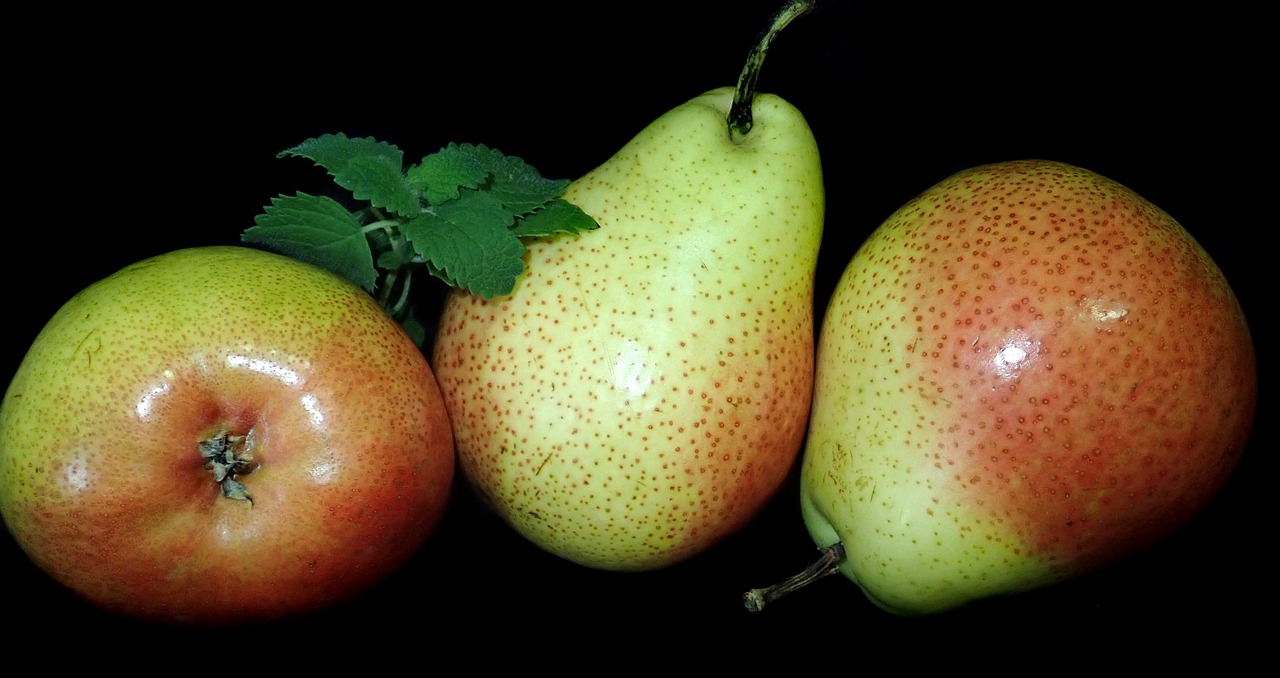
{"type": "Point", "coordinates": [344, 456]}
{"type": "Point", "coordinates": [1026, 373]}
{"type": "Point", "coordinates": [645, 390]}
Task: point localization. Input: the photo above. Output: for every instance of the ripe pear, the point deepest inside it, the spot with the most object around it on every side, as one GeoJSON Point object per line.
{"type": "Point", "coordinates": [644, 391]}
{"type": "Point", "coordinates": [1027, 373]}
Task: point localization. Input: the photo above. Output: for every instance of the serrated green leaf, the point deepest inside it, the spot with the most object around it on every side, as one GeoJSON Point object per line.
{"type": "Point", "coordinates": [469, 243]}
{"type": "Point", "coordinates": [521, 188]}
{"type": "Point", "coordinates": [463, 210]}
{"type": "Point", "coordinates": [377, 181]}
{"type": "Point", "coordinates": [390, 260]}
{"type": "Point", "coordinates": [488, 158]}
{"type": "Point", "coordinates": [370, 169]}
{"type": "Point", "coordinates": [512, 181]}
{"type": "Point", "coordinates": [440, 174]}
{"type": "Point", "coordinates": [319, 231]}
{"type": "Point", "coordinates": [559, 216]}
{"type": "Point", "coordinates": [440, 273]}
{"type": "Point", "coordinates": [334, 151]}
{"type": "Point", "coordinates": [474, 207]}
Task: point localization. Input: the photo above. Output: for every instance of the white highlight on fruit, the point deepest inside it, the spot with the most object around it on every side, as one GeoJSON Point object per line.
{"type": "Point", "coordinates": [1013, 355]}
{"type": "Point", "coordinates": [147, 402]}
{"type": "Point", "coordinates": [229, 533]}
{"type": "Point", "coordinates": [324, 472]}
{"type": "Point", "coordinates": [1104, 311]}
{"type": "Point", "coordinates": [264, 366]}
{"type": "Point", "coordinates": [312, 405]}
{"type": "Point", "coordinates": [76, 475]}
{"type": "Point", "coordinates": [633, 372]}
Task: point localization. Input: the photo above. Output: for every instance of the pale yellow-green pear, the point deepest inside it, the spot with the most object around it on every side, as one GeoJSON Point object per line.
{"type": "Point", "coordinates": [645, 390]}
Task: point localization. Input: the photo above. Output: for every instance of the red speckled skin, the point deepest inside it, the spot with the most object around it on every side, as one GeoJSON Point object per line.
{"type": "Point", "coordinates": [1026, 373]}
{"type": "Point", "coordinates": [101, 482]}
{"type": "Point", "coordinates": [645, 390]}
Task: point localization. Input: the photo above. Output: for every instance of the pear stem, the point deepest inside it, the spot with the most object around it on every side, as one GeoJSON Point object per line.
{"type": "Point", "coordinates": [740, 119]}
{"type": "Point", "coordinates": [826, 564]}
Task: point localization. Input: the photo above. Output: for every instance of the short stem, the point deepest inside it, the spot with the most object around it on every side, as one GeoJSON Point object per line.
{"type": "Point", "coordinates": [827, 563]}
{"type": "Point", "coordinates": [740, 118]}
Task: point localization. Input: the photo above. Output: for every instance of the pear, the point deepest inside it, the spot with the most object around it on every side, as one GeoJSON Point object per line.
{"type": "Point", "coordinates": [645, 389]}
{"type": "Point", "coordinates": [1027, 373]}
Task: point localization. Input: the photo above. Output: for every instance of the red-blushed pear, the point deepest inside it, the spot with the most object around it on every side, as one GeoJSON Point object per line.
{"type": "Point", "coordinates": [1027, 373]}
{"type": "Point", "coordinates": [221, 435]}
{"type": "Point", "coordinates": [644, 391]}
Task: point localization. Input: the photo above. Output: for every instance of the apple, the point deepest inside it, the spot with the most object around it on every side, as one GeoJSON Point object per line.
{"type": "Point", "coordinates": [221, 435]}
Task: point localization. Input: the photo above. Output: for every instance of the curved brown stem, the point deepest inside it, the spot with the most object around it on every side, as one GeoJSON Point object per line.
{"type": "Point", "coordinates": [740, 118]}
{"type": "Point", "coordinates": [827, 563]}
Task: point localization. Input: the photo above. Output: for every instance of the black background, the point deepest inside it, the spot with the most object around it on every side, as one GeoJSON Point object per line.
{"type": "Point", "coordinates": [162, 132]}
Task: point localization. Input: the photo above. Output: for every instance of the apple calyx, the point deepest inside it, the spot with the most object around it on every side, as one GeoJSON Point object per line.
{"type": "Point", "coordinates": [229, 456]}
{"type": "Point", "coordinates": [827, 564]}
{"type": "Point", "coordinates": [740, 118]}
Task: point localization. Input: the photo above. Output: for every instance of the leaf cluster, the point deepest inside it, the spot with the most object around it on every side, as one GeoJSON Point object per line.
{"type": "Point", "coordinates": [461, 214]}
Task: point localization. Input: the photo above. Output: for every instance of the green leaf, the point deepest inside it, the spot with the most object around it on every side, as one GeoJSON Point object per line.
{"type": "Point", "coordinates": [440, 174]}
{"type": "Point", "coordinates": [334, 151]}
{"type": "Point", "coordinates": [489, 159]}
{"type": "Point", "coordinates": [522, 189]}
{"type": "Point", "coordinates": [415, 329]}
{"type": "Point", "coordinates": [468, 243]}
{"type": "Point", "coordinates": [370, 169]}
{"type": "Point", "coordinates": [375, 180]}
{"type": "Point", "coordinates": [515, 183]}
{"type": "Point", "coordinates": [460, 214]}
{"type": "Point", "coordinates": [559, 216]}
{"type": "Point", "coordinates": [475, 207]}
{"type": "Point", "coordinates": [390, 260]}
{"type": "Point", "coordinates": [316, 230]}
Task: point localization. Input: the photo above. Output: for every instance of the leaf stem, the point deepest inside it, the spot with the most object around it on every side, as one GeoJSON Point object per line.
{"type": "Point", "coordinates": [740, 118]}
{"type": "Point", "coordinates": [400, 304]}
{"type": "Point", "coordinates": [387, 284]}
{"type": "Point", "coordinates": [387, 225]}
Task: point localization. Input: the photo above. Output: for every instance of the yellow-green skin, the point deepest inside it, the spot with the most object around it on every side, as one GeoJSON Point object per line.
{"type": "Point", "coordinates": [645, 390]}
{"type": "Point", "coordinates": [1026, 373]}
{"type": "Point", "coordinates": [101, 480]}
